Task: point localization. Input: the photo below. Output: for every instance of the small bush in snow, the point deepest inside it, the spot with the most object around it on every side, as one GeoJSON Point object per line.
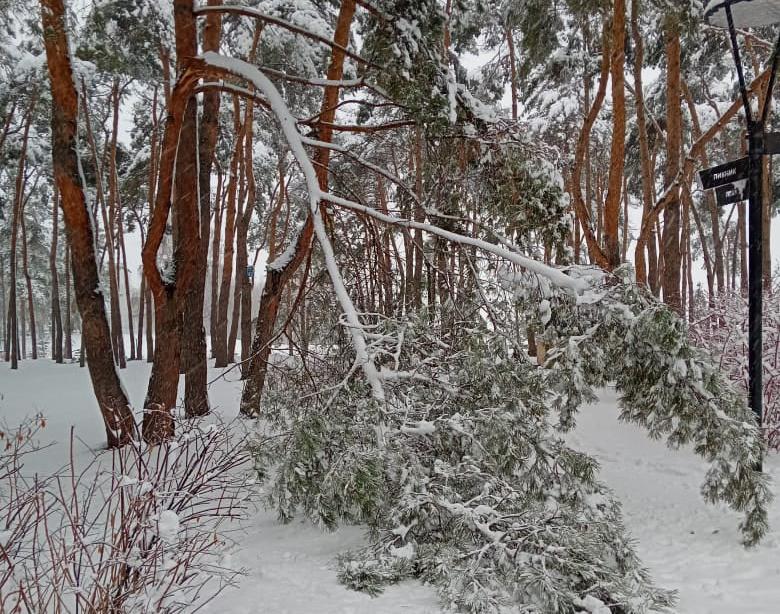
{"type": "Point", "coordinates": [137, 530]}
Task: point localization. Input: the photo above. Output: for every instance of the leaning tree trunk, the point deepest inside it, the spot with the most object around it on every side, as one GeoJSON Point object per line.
{"type": "Point", "coordinates": [113, 402]}
{"type": "Point", "coordinates": [277, 276]}
{"type": "Point", "coordinates": [115, 316]}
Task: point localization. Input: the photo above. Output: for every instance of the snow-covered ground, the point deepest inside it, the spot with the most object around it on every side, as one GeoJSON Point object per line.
{"type": "Point", "coordinates": [688, 545]}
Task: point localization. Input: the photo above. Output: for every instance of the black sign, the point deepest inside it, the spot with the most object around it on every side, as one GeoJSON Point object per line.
{"type": "Point", "coordinates": [731, 193]}
{"type": "Point", "coordinates": [723, 174]}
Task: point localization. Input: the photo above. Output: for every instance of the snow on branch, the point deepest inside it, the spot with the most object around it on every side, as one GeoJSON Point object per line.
{"type": "Point", "coordinates": [557, 276]}
{"type": "Point", "coordinates": [276, 21]}
{"type": "Point", "coordinates": [297, 142]}
{"type": "Point", "coordinates": [288, 125]}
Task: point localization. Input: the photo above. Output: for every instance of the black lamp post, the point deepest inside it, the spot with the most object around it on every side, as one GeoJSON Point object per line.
{"type": "Point", "coordinates": [752, 13]}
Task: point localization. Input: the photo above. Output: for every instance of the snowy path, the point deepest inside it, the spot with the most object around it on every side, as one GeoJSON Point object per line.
{"type": "Point", "coordinates": [688, 545]}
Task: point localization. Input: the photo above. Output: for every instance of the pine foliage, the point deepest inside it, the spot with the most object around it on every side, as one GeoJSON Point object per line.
{"type": "Point", "coordinates": [621, 334]}
{"type": "Point", "coordinates": [459, 477]}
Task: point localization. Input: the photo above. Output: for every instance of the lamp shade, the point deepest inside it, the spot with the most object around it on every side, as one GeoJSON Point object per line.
{"type": "Point", "coordinates": [746, 13]}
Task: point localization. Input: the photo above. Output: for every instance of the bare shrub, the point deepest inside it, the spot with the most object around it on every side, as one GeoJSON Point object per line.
{"type": "Point", "coordinates": [722, 328]}
{"type": "Point", "coordinates": [138, 529]}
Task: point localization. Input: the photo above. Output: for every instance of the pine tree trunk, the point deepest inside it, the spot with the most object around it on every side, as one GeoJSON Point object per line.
{"type": "Point", "coordinates": [194, 358]}
{"type": "Point", "coordinates": [178, 177]}
{"type": "Point", "coordinates": [703, 240]}
{"type": "Point", "coordinates": [510, 41]}
{"type": "Point", "coordinates": [581, 207]}
{"type": "Point", "coordinates": [645, 162]}
{"type": "Point", "coordinates": [96, 335]}
{"type": "Point", "coordinates": [139, 344]}
{"type": "Point", "coordinates": [714, 268]}
{"type": "Point", "coordinates": [56, 315]}
{"type": "Point", "coordinates": [243, 232]}
{"type": "Point", "coordinates": [68, 308]}
{"type": "Point", "coordinates": [145, 295]}
{"type": "Point", "coordinates": [100, 202]}
{"type": "Point", "coordinates": [618, 146]}
{"type": "Point", "coordinates": [30, 299]}
{"type": "Point", "coordinates": [16, 221]}
{"type": "Point", "coordinates": [150, 325]}
{"type": "Point", "coordinates": [128, 298]}
{"type": "Point", "coordinates": [112, 246]}
{"type": "Point", "coordinates": [239, 272]}
{"type": "Point", "coordinates": [4, 313]}
{"type": "Point", "coordinates": [419, 216]}
{"type": "Point", "coordinates": [219, 206]}
{"type": "Point", "coordinates": [23, 334]}
{"type": "Point", "coordinates": [671, 233]}
{"type": "Point", "coordinates": [220, 341]}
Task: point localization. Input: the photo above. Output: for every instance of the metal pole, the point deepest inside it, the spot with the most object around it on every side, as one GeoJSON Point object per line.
{"type": "Point", "coordinates": [755, 239]}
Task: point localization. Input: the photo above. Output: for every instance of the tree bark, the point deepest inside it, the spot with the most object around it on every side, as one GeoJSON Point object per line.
{"type": "Point", "coordinates": [111, 239]}
{"type": "Point", "coordinates": [116, 323]}
{"type": "Point", "coordinates": [126, 275]}
{"type": "Point", "coordinates": [243, 232]}
{"type": "Point", "coordinates": [114, 405]}
{"type": "Point", "coordinates": [30, 299]}
{"type": "Point", "coordinates": [219, 206]}
{"type": "Point", "coordinates": [68, 308]}
{"type": "Point", "coordinates": [645, 161]}
{"type": "Point", "coordinates": [56, 315]}
{"type": "Point", "coordinates": [178, 165]}
{"type": "Point", "coordinates": [194, 358]}
{"type": "Point", "coordinates": [16, 220]}
{"type": "Point", "coordinates": [671, 233]}
{"type": "Point", "coordinates": [222, 358]}
{"type": "Point", "coordinates": [618, 146]}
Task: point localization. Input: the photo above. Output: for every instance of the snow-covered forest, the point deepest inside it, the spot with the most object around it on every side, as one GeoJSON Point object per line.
{"type": "Point", "coordinates": [382, 306]}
